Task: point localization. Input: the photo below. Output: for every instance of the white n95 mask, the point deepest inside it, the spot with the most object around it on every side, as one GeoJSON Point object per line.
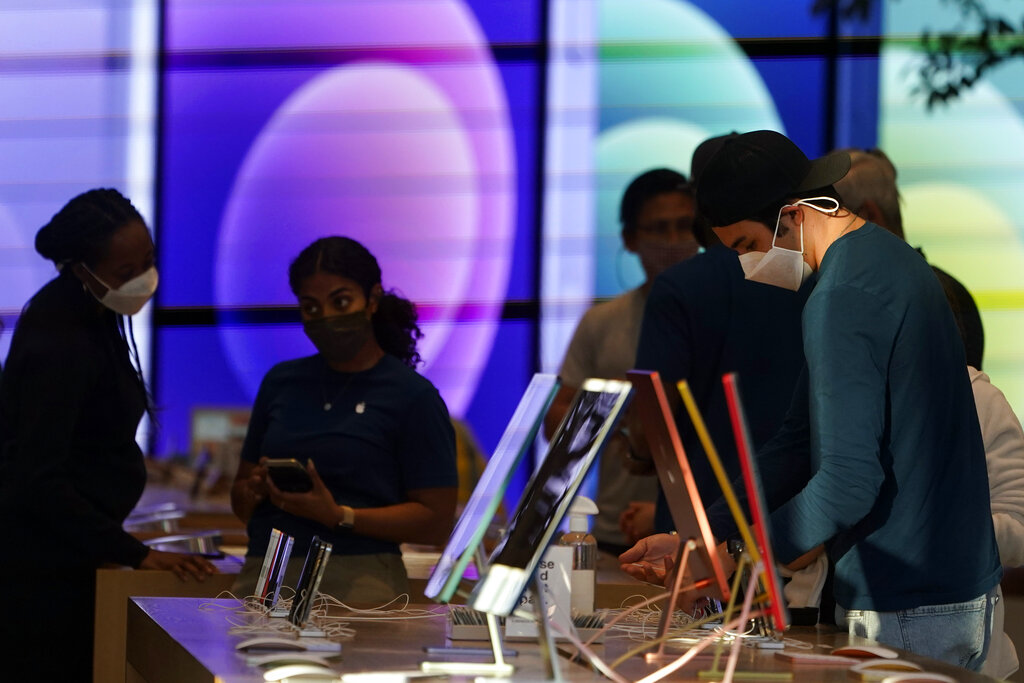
{"type": "Point", "coordinates": [779, 266]}
{"type": "Point", "coordinates": [129, 298]}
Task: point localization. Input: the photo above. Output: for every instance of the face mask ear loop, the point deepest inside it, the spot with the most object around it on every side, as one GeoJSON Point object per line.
{"type": "Point", "coordinates": [807, 203]}
{"type": "Point", "coordinates": [89, 270]}
{"type": "Point", "coordinates": [801, 236]}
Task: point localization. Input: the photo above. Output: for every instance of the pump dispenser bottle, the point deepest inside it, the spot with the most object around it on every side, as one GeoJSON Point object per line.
{"type": "Point", "coordinates": [584, 555]}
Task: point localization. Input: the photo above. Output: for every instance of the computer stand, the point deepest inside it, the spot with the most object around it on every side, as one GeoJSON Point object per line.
{"type": "Point", "coordinates": [544, 635]}
{"type": "Point", "coordinates": [667, 613]}
{"type": "Point", "coordinates": [499, 668]}
{"type": "Point", "coordinates": [730, 673]}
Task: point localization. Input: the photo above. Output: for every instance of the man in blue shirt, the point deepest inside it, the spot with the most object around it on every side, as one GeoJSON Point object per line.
{"type": "Point", "coordinates": [881, 457]}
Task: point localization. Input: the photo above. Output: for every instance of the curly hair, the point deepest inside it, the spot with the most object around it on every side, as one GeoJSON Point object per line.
{"type": "Point", "coordinates": [395, 322]}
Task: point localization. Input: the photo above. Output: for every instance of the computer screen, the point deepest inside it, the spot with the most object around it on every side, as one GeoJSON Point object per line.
{"type": "Point", "coordinates": [580, 438]}
{"type": "Point", "coordinates": [489, 490]}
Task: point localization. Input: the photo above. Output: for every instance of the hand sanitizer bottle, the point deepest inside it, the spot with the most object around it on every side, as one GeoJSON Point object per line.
{"type": "Point", "coordinates": [584, 555]}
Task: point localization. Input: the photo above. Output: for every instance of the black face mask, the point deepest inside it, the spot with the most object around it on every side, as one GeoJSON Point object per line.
{"type": "Point", "coordinates": [339, 338]}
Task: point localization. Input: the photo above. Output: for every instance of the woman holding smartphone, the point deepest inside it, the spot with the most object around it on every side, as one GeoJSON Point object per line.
{"type": "Point", "coordinates": [373, 435]}
{"type": "Point", "coordinates": [70, 403]}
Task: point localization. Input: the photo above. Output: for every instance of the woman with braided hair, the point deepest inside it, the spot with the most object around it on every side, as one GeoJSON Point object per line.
{"type": "Point", "coordinates": [70, 404]}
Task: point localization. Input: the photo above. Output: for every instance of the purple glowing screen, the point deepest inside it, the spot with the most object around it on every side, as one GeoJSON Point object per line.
{"type": "Point", "coordinates": [408, 150]}
{"type": "Point", "coordinates": [392, 122]}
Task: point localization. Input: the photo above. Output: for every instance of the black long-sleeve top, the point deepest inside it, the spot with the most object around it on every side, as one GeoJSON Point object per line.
{"type": "Point", "coordinates": [70, 404]}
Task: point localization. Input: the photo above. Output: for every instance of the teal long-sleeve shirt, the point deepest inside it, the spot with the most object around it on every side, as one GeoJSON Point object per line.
{"type": "Point", "coordinates": [881, 456]}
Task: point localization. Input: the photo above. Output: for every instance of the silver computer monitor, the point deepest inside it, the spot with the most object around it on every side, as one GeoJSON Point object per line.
{"type": "Point", "coordinates": [580, 438]}
{"type": "Point", "coordinates": [490, 488]}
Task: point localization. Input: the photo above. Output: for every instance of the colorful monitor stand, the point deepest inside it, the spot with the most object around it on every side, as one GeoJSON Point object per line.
{"type": "Point", "coordinates": [752, 557]}
{"type": "Point", "coordinates": [684, 501]}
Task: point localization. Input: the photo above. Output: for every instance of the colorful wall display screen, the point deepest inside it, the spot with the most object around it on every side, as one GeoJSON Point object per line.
{"type": "Point", "coordinates": [409, 126]}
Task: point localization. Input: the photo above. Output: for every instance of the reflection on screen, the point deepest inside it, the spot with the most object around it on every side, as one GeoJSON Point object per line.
{"type": "Point", "coordinates": [518, 435]}
{"type": "Point", "coordinates": [570, 455]}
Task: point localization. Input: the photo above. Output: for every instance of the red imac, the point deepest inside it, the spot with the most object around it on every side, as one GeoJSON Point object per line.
{"type": "Point", "coordinates": [684, 501]}
{"type": "Point", "coordinates": [776, 610]}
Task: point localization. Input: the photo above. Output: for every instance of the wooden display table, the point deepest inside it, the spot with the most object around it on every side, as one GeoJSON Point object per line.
{"type": "Point", "coordinates": [173, 640]}
{"type": "Point", "coordinates": [113, 589]}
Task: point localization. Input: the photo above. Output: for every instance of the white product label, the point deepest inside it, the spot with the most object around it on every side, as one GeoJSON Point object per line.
{"type": "Point", "coordinates": [554, 572]}
{"type": "Point", "coordinates": [583, 591]}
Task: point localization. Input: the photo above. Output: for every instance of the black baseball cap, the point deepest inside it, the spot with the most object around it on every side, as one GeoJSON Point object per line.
{"type": "Point", "coordinates": [704, 152]}
{"type": "Point", "coordinates": [752, 171]}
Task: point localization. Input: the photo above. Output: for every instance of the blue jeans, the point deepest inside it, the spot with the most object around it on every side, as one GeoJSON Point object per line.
{"type": "Point", "coordinates": [957, 633]}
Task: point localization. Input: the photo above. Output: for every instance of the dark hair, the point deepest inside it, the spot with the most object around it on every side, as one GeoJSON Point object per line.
{"type": "Point", "coordinates": [645, 186]}
{"type": "Point", "coordinates": [394, 323]}
{"type": "Point", "coordinates": [968, 318]}
{"type": "Point", "coordinates": [80, 233]}
{"type": "Point", "coordinates": [81, 230]}
{"type": "Point", "coordinates": [872, 177]}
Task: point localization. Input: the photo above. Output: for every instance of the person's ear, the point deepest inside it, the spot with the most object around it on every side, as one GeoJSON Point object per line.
{"type": "Point", "coordinates": [789, 234]}
{"type": "Point", "coordinates": [376, 294]}
{"type": "Point", "coordinates": [795, 214]}
{"type": "Point", "coordinates": [789, 219]}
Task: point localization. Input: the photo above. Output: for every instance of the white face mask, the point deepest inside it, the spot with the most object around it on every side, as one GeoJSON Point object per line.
{"type": "Point", "coordinates": [129, 298]}
{"type": "Point", "coordinates": [779, 266]}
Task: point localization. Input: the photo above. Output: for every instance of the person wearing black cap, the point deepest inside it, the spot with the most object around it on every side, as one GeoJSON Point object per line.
{"type": "Point", "coordinates": [881, 456]}
{"type": "Point", "coordinates": [704, 319]}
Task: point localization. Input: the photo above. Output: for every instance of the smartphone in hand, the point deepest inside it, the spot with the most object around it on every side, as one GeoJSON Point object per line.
{"type": "Point", "coordinates": [289, 475]}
